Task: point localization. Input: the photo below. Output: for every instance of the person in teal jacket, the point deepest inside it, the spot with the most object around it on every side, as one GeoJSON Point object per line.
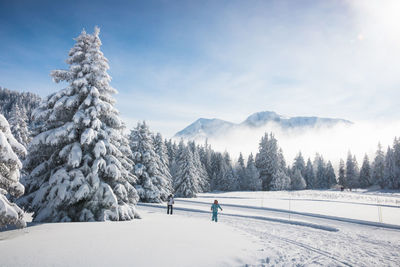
{"type": "Point", "coordinates": [214, 208]}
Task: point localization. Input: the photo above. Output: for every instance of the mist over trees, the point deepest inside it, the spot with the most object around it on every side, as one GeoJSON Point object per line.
{"type": "Point", "coordinates": [268, 169]}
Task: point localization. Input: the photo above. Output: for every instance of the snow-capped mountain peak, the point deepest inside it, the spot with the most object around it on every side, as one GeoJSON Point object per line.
{"type": "Point", "coordinates": [260, 118]}
{"type": "Point", "coordinates": [206, 128]}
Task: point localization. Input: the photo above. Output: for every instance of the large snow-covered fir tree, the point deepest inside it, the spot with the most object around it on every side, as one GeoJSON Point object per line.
{"type": "Point", "coordinates": [10, 166]}
{"type": "Point", "coordinates": [78, 162]}
{"type": "Point", "coordinates": [154, 180]}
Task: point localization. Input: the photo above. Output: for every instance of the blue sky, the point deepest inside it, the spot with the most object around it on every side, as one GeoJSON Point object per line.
{"type": "Point", "coordinates": [175, 61]}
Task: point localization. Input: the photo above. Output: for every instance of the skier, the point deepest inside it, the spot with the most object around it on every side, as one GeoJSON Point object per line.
{"type": "Point", "coordinates": [170, 202]}
{"type": "Point", "coordinates": [214, 208]}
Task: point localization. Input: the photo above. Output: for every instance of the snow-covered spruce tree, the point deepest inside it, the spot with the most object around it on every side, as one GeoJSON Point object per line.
{"type": "Point", "coordinates": [280, 181]}
{"type": "Point", "coordinates": [154, 181]}
{"type": "Point", "coordinates": [186, 183]}
{"type": "Point", "coordinates": [352, 174]}
{"type": "Point", "coordinates": [365, 173]}
{"type": "Point", "coordinates": [319, 167]}
{"type": "Point", "coordinates": [228, 177]}
{"type": "Point", "coordinates": [290, 172]}
{"type": "Point", "coordinates": [205, 156]}
{"type": "Point", "coordinates": [297, 181]}
{"type": "Point", "coordinates": [357, 169]}
{"type": "Point", "coordinates": [253, 181]}
{"type": "Point", "coordinates": [341, 175]}
{"type": "Point", "coordinates": [18, 125]}
{"type": "Point", "coordinates": [281, 160]}
{"type": "Point", "coordinates": [78, 162]}
{"type": "Point", "coordinates": [309, 175]}
{"type": "Point", "coordinates": [267, 159]}
{"type": "Point", "coordinates": [240, 171]}
{"type": "Point", "coordinates": [224, 178]}
{"type": "Point", "coordinates": [204, 182]}
{"type": "Point", "coordinates": [161, 149]}
{"type": "Point", "coordinates": [330, 176]}
{"type": "Point", "coordinates": [396, 156]}
{"type": "Point", "coordinates": [172, 149]}
{"type": "Point", "coordinates": [10, 166]}
{"type": "Point", "coordinates": [378, 166]}
{"type": "Point", "coordinates": [300, 164]}
{"type": "Point", "coordinates": [389, 171]}
{"type": "Point", "coordinates": [217, 162]}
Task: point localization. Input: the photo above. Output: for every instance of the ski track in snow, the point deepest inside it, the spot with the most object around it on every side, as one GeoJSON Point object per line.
{"type": "Point", "coordinates": [293, 222]}
{"type": "Point", "coordinates": [295, 245]}
{"type": "Point", "coordinates": [305, 215]}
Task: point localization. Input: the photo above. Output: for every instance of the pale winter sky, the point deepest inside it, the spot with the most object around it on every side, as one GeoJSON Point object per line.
{"type": "Point", "coordinates": [176, 61]}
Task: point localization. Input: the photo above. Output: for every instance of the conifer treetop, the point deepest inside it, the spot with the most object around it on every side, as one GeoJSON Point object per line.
{"type": "Point", "coordinates": [78, 165]}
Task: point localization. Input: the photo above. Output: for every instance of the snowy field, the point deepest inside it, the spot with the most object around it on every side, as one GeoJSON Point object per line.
{"type": "Point", "coordinates": [328, 228]}
{"type": "Point", "coordinates": [361, 205]}
{"type": "Point", "coordinates": [155, 240]}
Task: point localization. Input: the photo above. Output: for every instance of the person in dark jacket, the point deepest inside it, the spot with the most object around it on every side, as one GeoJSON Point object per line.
{"type": "Point", "coordinates": [170, 203]}
{"type": "Point", "coordinates": [214, 209]}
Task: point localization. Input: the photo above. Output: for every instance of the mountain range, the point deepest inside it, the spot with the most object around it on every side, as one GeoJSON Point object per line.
{"type": "Point", "coordinates": [207, 128]}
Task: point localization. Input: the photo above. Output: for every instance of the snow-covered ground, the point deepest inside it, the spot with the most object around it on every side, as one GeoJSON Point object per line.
{"type": "Point", "coordinates": [329, 229]}
{"type": "Point", "coordinates": [155, 240]}
{"type": "Point", "coordinates": [361, 205]}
